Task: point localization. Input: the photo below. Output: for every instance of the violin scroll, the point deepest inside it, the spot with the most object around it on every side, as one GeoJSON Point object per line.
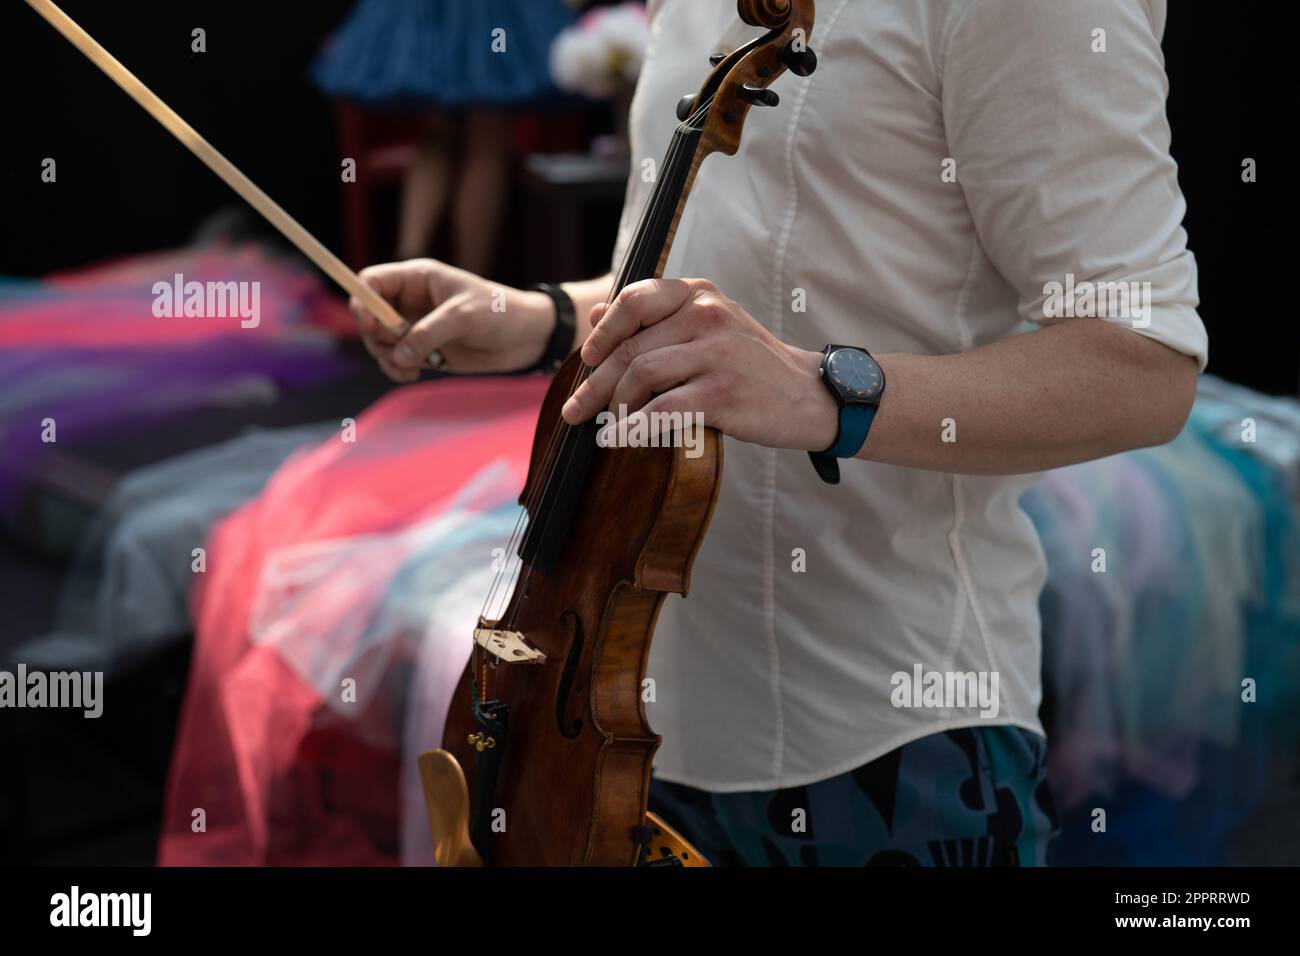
{"type": "Point", "coordinates": [768, 14]}
{"type": "Point", "coordinates": [739, 80]}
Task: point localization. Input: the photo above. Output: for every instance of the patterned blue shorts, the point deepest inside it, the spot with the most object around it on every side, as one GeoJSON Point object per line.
{"type": "Point", "coordinates": [971, 797]}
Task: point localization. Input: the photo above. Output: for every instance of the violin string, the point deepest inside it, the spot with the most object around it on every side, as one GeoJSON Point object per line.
{"type": "Point", "coordinates": [548, 459]}
{"type": "Point", "coordinates": [504, 574]}
{"type": "Point", "coordinates": [517, 579]}
{"type": "Point", "coordinates": [660, 203]}
{"type": "Point", "coordinates": [511, 570]}
{"type": "Point", "coordinates": [639, 249]}
{"type": "Point", "coordinates": [655, 209]}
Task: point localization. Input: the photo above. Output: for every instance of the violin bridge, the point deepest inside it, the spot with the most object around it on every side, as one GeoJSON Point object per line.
{"type": "Point", "coordinates": [508, 646]}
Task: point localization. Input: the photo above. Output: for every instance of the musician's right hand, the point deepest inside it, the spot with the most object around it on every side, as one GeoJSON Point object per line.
{"type": "Point", "coordinates": [476, 325]}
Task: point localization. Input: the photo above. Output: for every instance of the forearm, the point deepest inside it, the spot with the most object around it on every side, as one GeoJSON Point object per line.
{"type": "Point", "coordinates": [1071, 392]}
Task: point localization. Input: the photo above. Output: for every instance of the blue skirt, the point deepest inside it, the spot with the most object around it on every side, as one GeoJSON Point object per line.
{"type": "Point", "coordinates": [417, 52]}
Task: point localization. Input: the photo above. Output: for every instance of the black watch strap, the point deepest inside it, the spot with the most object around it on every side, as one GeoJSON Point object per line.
{"type": "Point", "coordinates": [560, 343]}
{"type": "Point", "coordinates": [828, 468]}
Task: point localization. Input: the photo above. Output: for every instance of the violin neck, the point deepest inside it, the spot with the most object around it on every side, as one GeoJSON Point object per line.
{"type": "Point", "coordinates": [645, 257]}
{"type": "Point", "coordinates": [653, 239]}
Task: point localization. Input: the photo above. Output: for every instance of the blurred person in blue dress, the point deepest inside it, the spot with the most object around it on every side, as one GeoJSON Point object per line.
{"type": "Point", "coordinates": [463, 64]}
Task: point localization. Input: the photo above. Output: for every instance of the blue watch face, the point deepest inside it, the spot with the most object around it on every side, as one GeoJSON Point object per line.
{"type": "Point", "coordinates": [855, 374]}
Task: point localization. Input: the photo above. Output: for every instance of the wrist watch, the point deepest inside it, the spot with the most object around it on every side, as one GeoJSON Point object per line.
{"type": "Point", "coordinates": [857, 383]}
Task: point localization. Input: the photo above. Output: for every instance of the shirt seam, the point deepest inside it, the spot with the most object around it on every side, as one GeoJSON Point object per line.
{"type": "Point", "coordinates": [949, 28]}
{"type": "Point", "coordinates": [769, 490]}
{"type": "Point", "coordinates": [966, 583]}
{"type": "Point", "coordinates": [963, 296]}
{"type": "Point", "coordinates": [963, 597]}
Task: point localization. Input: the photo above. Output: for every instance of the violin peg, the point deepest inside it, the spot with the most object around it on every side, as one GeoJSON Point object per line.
{"type": "Point", "coordinates": [800, 62]}
{"type": "Point", "coordinates": [684, 106]}
{"type": "Point", "coordinates": [758, 96]}
{"type": "Point", "coordinates": [717, 58]}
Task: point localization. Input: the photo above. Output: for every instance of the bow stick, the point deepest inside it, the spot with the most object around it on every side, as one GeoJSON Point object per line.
{"type": "Point", "coordinates": [289, 227]}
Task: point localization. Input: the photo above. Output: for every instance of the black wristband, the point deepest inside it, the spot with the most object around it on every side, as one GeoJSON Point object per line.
{"type": "Point", "coordinates": [560, 343]}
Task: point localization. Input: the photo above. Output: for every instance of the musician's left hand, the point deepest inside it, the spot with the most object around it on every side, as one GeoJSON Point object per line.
{"type": "Point", "coordinates": [680, 345]}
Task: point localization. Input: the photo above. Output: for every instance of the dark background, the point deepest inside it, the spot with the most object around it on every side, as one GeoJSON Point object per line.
{"type": "Point", "coordinates": [126, 186]}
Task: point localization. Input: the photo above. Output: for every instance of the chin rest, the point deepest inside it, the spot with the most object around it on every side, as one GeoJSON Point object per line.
{"type": "Point", "coordinates": [446, 798]}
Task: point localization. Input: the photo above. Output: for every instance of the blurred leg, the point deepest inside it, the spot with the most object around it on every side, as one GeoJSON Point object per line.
{"type": "Point", "coordinates": [481, 196]}
{"type": "Point", "coordinates": [424, 191]}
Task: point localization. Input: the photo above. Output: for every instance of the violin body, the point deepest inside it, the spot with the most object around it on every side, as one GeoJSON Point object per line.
{"type": "Point", "coordinates": [574, 777]}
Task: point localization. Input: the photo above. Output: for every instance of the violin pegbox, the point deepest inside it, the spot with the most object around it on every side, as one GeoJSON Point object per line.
{"type": "Point", "coordinates": [742, 79]}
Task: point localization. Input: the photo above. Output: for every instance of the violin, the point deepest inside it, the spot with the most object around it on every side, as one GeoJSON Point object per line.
{"type": "Point", "coordinates": [547, 750]}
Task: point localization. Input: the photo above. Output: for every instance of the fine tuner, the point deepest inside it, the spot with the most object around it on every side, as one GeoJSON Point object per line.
{"type": "Point", "coordinates": [800, 62]}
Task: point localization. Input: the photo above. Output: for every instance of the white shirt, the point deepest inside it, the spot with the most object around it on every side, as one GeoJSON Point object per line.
{"type": "Point", "coordinates": [768, 676]}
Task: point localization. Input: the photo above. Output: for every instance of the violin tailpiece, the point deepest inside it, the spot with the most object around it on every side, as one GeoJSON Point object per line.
{"type": "Point", "coordinates": [491, 722]}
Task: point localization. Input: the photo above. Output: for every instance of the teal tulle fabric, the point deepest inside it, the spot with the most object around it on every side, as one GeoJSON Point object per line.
{"type": "Point", "coordinates": [1172, 676]}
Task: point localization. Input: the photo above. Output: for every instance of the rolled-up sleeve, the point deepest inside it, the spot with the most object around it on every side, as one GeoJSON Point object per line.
{"type": "Point", "coordinates": [1062, 152]}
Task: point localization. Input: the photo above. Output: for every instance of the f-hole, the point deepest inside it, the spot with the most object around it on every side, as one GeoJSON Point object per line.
{"type": "Point", "coordinates": [574, 725]}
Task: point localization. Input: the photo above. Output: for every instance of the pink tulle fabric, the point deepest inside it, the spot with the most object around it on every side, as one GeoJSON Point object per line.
{"type": "Point", "coordinates": [290, 745]}
{"type": "Point", "coordinates": [84, 352]}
